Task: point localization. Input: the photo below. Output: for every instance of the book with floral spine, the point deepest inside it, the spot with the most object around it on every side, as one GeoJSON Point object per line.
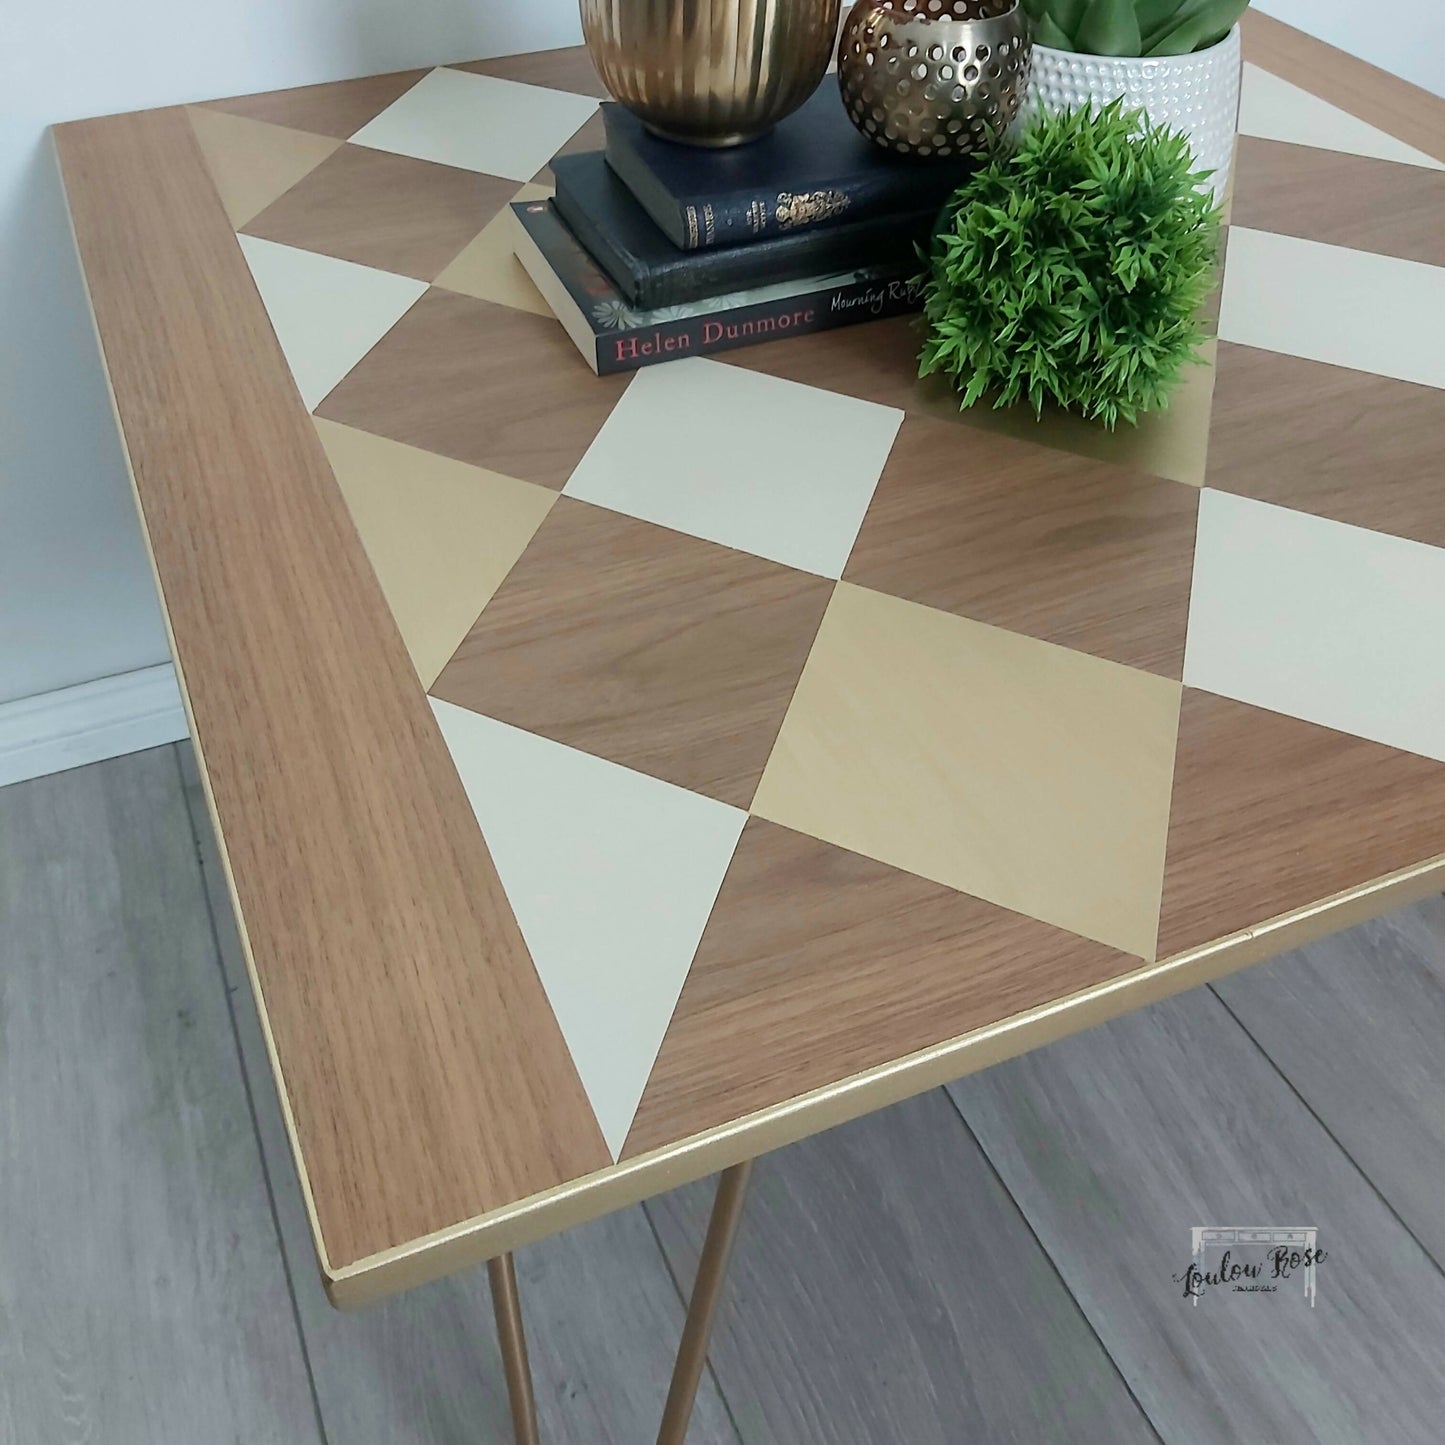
{"type": "Point", "coordinates": [613, 335]}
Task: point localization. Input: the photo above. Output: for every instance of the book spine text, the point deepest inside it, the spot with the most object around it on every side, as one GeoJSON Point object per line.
{"type": "Point", "coordinates": [842, 305]}
{"type": "Point", "coordinates": [729, 220]}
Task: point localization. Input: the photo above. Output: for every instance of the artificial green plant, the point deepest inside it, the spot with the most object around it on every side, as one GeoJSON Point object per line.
{"type": "Point", "coordinates": [1072, 270]}
{"type": "Point", "coordinates": [1133, 27]}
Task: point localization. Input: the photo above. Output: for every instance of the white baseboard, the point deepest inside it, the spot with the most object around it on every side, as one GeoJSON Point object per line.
{"type": "Point", "coordinates": [86, 724]}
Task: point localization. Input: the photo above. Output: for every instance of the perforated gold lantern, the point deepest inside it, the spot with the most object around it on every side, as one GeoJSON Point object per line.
{"type": "Point", "coordinates": [934, 77]}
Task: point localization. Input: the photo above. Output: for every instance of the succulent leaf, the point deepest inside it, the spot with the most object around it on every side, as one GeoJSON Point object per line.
{"type": "Point", "coordinates": [1047, 32]}
{"type": "Point", "coordinates": [1132, 27]}
{"type": "Point", "coordinates": [1153, 14]}
{"type": "Point", "coordinates": [1204, 25]}
{"type": "Point", "coordinates": [1068, 14]}
{"type": "Point", "coordinates": [1110, 27]}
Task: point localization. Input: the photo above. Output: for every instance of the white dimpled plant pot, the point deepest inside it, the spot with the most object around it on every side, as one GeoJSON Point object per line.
{"type": "Point", "coordinates": [1196, 93]}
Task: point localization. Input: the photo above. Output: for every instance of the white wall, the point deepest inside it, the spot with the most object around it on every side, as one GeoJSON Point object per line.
{"type": "Point", "coordinates": [75, 594]}
{"type": "Point", "coordinates": [76, 600]}
{"type": "Point", "coordinates": [1406, 37]}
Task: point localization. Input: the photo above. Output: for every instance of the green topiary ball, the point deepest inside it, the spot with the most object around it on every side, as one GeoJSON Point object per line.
{"type": "Point", "coordinates": [1073, 270]}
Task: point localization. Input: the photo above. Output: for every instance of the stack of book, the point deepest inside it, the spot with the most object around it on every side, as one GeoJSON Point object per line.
{"type": "Point", "coordinates": [652, 250]}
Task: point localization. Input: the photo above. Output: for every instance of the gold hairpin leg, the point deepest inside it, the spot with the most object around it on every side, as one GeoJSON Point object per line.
{"type": "Point", "coordinates": [727, 1210]}
{"type": "Point", "coordinates": [508, 1309]}
{"type": "Point", "coordinates": [722, 1228]}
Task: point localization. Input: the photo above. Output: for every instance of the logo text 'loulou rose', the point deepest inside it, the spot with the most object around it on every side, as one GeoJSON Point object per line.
{"type": "Point", "coordinates": [1253, 1260]}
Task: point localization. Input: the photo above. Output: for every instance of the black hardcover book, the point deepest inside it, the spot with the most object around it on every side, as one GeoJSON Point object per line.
{"type": "Point", "coordinates": [814, 169]}
{"type": "Point", "coordinates": [614, 336]}
{"type": "Point", "coordinates": [650, 271]}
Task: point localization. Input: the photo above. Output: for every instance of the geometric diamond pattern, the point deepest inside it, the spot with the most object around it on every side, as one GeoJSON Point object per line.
{"type": "Point", "coordinates": [1320, 621]}
{"type": "Point", "coordinates": [1333, 304]}
{"type": "Point", "coordinates": [1294, 191]}
{"type": "Point", "coordinates": [1271, 814]}
{"type": "Point", "coordinates": [792, 484]}
{"type": "Point", "coordinates": [670, 655]}
{"type": "Point", "coordinates": [612, 876]}
{"type": "Point", "coordinates": [1370, 454]}
{"type": "Point", "coordinates": [798, 920]}
{"type": "Point", "coordinates": [482, 382]}
{"type": "Point", "coordinates": [878, 363]}
{"type": "Point", "coordinates": [764, 829]}
{"type": "Point", "coordinates": [1057, 547]}
{"type": "Point", "coordinates": [251, 163]}
{"type": "Point", "coordinates": [440, 535]}
{"type": "Point", "coordinates": [1030, 775]}
{"type": "Point", "coordinates": [479, 123]}
{"type": "Point", "coordinates": [338, 110]}
{"type": "Point", "coordinates": [1274, 109]}
{"type": "Point", "coordinates": [327, 313]}
{"type": "Point", "coordinates": [571, 70]}
{"type": "Point", "coordinates": [392, 212]}
{"type": "Point", "coordinates": [488, 269]}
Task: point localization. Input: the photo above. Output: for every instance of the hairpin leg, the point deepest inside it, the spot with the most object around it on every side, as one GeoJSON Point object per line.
{"type": "Point", "coordinates": [707, 1289]}
{"type": "Point", "coordinates": [508, 1309]}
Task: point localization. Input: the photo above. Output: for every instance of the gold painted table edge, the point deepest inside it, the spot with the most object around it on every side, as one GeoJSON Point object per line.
{"type": "Point", "coordinates": [629, 1181]}
{"type": "Point", "coordinates": [486, 1236]}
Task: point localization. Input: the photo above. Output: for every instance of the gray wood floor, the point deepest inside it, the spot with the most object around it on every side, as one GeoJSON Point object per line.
{"type": "Point", "coordinates": [992, 1263]}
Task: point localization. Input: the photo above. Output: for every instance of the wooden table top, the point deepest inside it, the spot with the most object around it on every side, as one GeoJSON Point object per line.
{"type": "Point", "coordinates": [620, 777]}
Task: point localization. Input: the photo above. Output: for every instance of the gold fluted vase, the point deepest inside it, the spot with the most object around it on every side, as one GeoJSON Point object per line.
{"type": "Point", "coordinates": [711, 72]}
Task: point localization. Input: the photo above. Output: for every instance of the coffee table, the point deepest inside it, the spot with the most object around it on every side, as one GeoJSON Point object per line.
{"type": "Point", "coordinates": [619, 778]}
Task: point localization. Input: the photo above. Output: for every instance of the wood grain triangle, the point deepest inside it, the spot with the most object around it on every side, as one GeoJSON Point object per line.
{"type": "Point", "coordinates": [1272, 814]}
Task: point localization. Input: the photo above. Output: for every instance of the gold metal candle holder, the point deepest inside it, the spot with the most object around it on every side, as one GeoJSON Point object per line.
{"type": "Point", "coordinates": [934, 77]}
